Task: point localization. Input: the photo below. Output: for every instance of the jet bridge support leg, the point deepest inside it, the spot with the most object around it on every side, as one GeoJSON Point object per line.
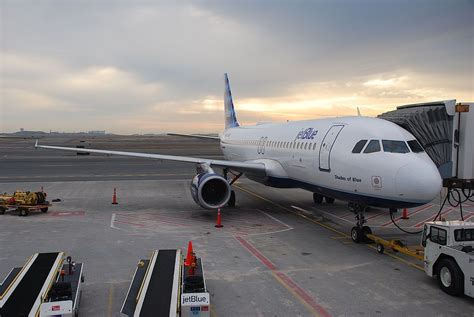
{"type": "Point", "coordinates": [359, 231]}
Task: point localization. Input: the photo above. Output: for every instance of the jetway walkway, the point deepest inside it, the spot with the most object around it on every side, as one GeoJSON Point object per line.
{"type": "Point", "coordinates": [445, 129]}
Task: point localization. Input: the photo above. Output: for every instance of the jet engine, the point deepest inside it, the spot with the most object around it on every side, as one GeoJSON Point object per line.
{"type": "Point", "coordinates": [209, 190]}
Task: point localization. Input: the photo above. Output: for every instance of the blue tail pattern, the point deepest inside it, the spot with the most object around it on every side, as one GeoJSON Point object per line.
{"type": "Point", "coordinates": [230, 118]}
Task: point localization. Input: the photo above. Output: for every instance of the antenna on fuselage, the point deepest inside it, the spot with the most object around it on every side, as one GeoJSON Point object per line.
{"type": "Point", "coordinates": [358, 112]}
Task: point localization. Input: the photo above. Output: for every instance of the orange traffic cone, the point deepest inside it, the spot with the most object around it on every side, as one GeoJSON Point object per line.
{"type": "Point", "coordinates": [114, 197]}
{"type": "Point", "coordinates": [218, 222]}
{"type": "Point", "coordinates": [189, 254]}
{"type": "Point", "coordinates": [405, 214]}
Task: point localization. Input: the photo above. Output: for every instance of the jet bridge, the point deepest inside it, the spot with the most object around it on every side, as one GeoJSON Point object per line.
{"type": "Point", "coordinates": [445, 129]}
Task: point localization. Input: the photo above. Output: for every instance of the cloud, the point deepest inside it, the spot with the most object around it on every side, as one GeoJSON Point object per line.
{"type": "Point", "coordinates": [150, 67]}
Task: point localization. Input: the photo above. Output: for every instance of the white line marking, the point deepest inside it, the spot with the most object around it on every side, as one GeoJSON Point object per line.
{"type": "Point", "coordinates": [277, 220]}
{"type": "Point", "coordinates": [112, 221]}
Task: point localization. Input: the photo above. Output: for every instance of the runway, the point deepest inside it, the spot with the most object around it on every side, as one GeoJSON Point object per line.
{"type": "Point", "coordinates": [277, 254]}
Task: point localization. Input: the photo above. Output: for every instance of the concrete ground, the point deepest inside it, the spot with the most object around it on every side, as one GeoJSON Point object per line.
{"type": "Point", "coordinates": [277, 254]}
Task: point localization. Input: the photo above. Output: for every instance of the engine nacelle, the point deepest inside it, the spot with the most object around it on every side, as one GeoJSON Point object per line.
{"type": "Point", "coordinates": [210, 190]}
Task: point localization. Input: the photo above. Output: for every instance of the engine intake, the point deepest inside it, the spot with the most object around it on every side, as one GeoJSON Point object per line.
{"type": "Point", "coordinates": [210, 190]}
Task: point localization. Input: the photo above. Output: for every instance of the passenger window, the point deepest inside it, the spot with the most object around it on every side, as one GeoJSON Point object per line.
{"type": "Point", "coordinates": [415, 146]}
{"type": "Point", "coordinates": [395, 146]}
{"type": "Point", "coordinates": [314, 146]}
{"type": "Point", "coordinates": [373, 146]}
{"type": "Point", "coordinates": [305, 145]}
{"type": "Point", "coordinates": [438, 235]}
{"type": "Point", "coordinates": [359, 146]}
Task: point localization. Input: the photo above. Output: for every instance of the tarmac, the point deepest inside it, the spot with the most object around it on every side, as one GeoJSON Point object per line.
{"type": "Point", "coordinates": [278, 254]}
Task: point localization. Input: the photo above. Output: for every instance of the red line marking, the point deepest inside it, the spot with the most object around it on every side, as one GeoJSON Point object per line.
{"type": "Point", "coordinates": [471, 214]}
{"type": "Point", "coordinates": [130, 223]}
{"type": "Point", "coordinates": [443, 213]}
{"type": "Point", "coordinates": [374, 216]}
{"type": "Point", "coordinates": [152, 219]}
{"type": "Point", "coordinates": [284, 278]}
{"type": "Point", "coordinates": [410, 214]}
{"type": "Point", "coordinates": [346, 214]}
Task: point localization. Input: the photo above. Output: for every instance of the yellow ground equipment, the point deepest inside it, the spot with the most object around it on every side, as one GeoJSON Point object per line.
{"type": "Point", "coordinates": [24, 202]}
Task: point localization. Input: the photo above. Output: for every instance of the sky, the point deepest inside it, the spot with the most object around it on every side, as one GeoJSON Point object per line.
{"type": "Point", "coordinates": [157, 66]}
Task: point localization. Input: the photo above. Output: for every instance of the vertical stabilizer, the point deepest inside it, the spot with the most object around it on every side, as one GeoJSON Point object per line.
{"type": "Point", "coordinates": [230, 118]}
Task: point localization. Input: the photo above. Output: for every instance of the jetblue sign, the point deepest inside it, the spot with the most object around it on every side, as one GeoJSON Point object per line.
{"type": "Point", "coordinates": [188, 299]}
{"type": "Point", "coordinates": [306, 134]}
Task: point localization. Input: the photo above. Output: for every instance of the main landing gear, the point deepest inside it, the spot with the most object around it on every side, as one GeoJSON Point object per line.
{"type": "Point", "coordinates": [318, 199]}
{"type": "Point", "coordinates": [235, 177]}
{"type": "Point", "coordinates": [359, 231]}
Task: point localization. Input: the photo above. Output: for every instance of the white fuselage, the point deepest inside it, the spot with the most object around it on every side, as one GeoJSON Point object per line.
{"type": "Point", "coordinates": [317, 155]}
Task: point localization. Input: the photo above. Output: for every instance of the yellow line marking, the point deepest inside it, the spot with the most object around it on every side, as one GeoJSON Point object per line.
{"type": "Point", "coordinates": [292, 292]}
{"type": "Point", "coordinates": [212, 311]}
{"type": "Point", "coordinates": [342, 234]}
{"type": "Point", "coordinates": [111, 300]}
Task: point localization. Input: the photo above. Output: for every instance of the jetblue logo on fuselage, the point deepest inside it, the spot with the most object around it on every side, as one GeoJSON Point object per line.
{"type": "Point", "coordinates": [306, 134]}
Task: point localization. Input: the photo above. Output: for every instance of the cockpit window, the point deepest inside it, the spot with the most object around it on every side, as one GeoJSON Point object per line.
{"type": "Point", "coordinates": [395, 146]}
{"type": "Point", "coordinates": [415, 146]}
{"type": "Point", "coordinates": [373, 146]}
{"type": "Point", "coordinates": [359, 146]}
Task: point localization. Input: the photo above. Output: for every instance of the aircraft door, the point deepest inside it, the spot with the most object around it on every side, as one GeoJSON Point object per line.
{"type": "Point", "coordinates": [326, 147]}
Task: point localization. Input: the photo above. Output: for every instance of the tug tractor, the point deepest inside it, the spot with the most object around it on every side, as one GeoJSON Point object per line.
{"type": "Point", "coordinates": [449, 255]}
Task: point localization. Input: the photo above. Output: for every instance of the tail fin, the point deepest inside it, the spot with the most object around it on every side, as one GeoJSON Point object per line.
{"type": "Point", "coordinates": [230, 118]}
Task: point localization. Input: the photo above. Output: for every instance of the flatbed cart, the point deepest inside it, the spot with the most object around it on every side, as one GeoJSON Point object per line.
{"type": "Point", "coordinates": [24, 202]}
{"type": "Point", "coordinates": [25, 289]}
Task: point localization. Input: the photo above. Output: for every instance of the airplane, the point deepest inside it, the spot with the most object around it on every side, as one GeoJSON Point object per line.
{"type": "Point", "coordinates": [362, 160]}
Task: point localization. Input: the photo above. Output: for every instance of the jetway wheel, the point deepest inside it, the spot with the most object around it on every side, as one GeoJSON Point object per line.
{"type": "Point", "coordinates": [45, 209]}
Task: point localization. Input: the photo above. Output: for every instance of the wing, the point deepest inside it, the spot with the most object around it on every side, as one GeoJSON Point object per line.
{"type": "Point", "coordinates": [245, 167]}
{"type": "Point", "coordinates": [199, 136]}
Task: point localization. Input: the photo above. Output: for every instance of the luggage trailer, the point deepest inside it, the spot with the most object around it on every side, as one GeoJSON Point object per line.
{"type": "Point", "coordinates": [163, 286]}
{"type": "Point", "coordinates": [27, 289]}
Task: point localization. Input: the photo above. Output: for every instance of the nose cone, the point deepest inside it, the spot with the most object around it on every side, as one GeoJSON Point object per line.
{"type": "Point", "coordinates": [418, 181]}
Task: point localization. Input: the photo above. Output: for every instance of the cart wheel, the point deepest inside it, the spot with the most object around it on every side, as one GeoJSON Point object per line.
{"type": "Point", "coordinates": [24, 212]}
{"type": "Point", "coordinates": [380, 248]}
{"type": "Point", "coordinates": [2, 210]}
{"type": "Point", "coordinates": [45, 209]}
{"type": "Point", "coordinates": [82, 278]}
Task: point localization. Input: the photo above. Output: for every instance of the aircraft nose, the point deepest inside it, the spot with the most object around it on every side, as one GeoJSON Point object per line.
{"type": "Point", "coordinates": [419, 181]}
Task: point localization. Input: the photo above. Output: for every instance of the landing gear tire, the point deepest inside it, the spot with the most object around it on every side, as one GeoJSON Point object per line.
{"type": "Point", "coordinates": [329, 200]}
{"type": "Point", "coordinates": [357, 235]}
{"type": "Point", "coordinates": [318, 199]}
{"type": "Point", "coordinates": [450, 277]}
{"type": "Point", "coordinates": [380, 248]}
{"type": "Point", "coordinates": [231, 202]}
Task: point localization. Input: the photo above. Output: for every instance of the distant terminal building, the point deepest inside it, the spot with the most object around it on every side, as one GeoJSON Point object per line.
{"type": "Point", "coordinates": [96, 132]}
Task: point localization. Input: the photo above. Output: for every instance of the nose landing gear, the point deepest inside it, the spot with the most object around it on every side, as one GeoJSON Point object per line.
{"type": "Point", "coordinates": [359, 231]}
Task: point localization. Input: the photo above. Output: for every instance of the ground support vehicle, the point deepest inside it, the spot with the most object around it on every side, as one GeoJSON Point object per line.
{"type": "Point", "coordinates": [41, 283]}
{"type": "Point", "coordinates": [166, 285]}
{"type": "Point", "coordinates": [447, 253]}
{"type": "Point", "coordinates": [24, 202]}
